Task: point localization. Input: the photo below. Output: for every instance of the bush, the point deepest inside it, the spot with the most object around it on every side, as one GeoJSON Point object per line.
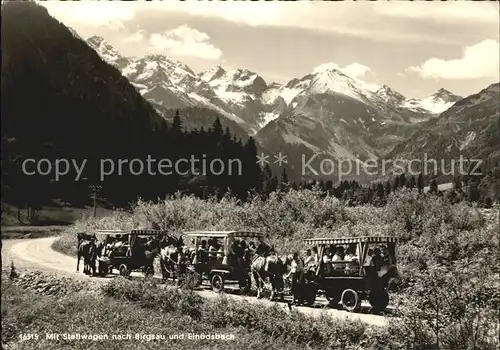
{"type": "Point", "coordinates": [434, 235]}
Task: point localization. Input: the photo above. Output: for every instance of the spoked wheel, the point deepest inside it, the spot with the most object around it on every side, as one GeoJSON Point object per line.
{"type": "Point", "coordinates": [350, 300]}
{"type": "Point", "coordinates": [124, 270]}
{"type": "Point", "coordinates": [379, 301]}
{"type": "Point", "coordinates": [217, 283]}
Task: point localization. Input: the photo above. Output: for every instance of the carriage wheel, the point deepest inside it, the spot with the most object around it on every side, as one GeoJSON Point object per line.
{"type": "Point", "coordinates": [124, 271]}
{"type": "Point", "coordinates": [350, 300]}
{"type": "Point", "coordinates": [378, 300]}
{"type": "Point", "coordinates": [217, 283]}
{"type": "Point", "coordinates": [245, 284]}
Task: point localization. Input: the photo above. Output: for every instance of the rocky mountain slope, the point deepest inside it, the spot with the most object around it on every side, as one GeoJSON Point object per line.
{"type": "Point", "coordinates": [244, 96]}
{"type": "Point", "coordinates": [325, 112]}
{"type": "Point", "coordinates": [471, 128]}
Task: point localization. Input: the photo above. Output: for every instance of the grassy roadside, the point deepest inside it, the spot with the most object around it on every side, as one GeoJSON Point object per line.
{"type": "Point", "coordinates": [140, 307]}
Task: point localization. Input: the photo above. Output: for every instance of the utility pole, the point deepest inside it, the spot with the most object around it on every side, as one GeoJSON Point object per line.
{"type": "Point", "coordinates": [95, 189]}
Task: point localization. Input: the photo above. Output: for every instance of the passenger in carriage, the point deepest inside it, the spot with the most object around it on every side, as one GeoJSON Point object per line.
{"type": "Point", "coordinates": [351, 257]}
{"type": "Point", "coordinates": [310, 261]}
{"type": "Point", "coordinates": [212, 249]}
{"type": "Point", "coordinates": [369, 256]}
{"type": "Point", "coordinates": [307, 257]}
{"type": "Point", "coordinates": [339, 254]}
{"type": "Point", "coordinates": [327, 261]}
{"type": "Point", "coordinates": [220, 252]}
{"type": "Point", "coordinates": [315, 256]}
{"type": "Point", "coordinates": [377, 260]}
{"type": "Point", "coordinates": [202, 251]}
{"type": "Point", "coordinates": [386, 256]}
{"type": "Point", "coordinates": [351, 253]}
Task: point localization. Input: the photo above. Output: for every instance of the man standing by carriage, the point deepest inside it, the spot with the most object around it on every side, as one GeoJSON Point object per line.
{"type": "Point", "coordinates": [297, 276]}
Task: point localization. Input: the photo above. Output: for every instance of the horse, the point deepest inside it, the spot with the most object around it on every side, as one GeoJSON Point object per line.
{"type": "Point", "coordinates": [87, 250]}
{"type": "Point", "coordinates": [272, 267]}
{"type": "Point", "coordinates": [170, 253]}
{"type": "Point", "coordinates": [148, 252]}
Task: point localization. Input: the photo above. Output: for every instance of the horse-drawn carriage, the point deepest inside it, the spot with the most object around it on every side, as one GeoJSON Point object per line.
{"type": "Point", "coordinates": [217, 258]}
{"type": "Point", "coordinates": [364, 275]}
{"type": "Point", "coordinates": [127, 251]}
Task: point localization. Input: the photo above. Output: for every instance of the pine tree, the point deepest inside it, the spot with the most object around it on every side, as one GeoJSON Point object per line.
{"type": "Point", "coordinates": [387, 188]}
{"type": "Point", "coordinates": [395, 186]}
{"type": "Point", "coordinates": [284, 183]}
{"type": "Point", "coordinates": [402, 180]}
{"type": "Point", "coordinates": [433, 187]}
{"type": "Point", "coordinates": [380, 191]}
{"type": "Point", "coordinates": [412, 183]}
{"type": "Point", "coordinates": [177, 123]}
{"type": "Point", "coordinates": [420, 183]}
{"type": "Point", "coordinates": [457, 184]}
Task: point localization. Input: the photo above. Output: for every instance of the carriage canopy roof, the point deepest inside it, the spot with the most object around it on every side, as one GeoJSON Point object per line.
{"type": "Point", "coordinates": [134, 232]}
{"type": "Point", "coordinates": [347, 240]}
{"type": "Point", "coordinates": [221, 234]}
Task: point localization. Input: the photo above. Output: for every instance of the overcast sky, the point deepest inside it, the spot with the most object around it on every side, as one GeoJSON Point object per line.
{"type": "Point", "coordinates": [414, 47]}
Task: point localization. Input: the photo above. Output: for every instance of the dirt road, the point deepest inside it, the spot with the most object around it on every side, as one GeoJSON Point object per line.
{"type": "Point", "coordinates": [37, 254]}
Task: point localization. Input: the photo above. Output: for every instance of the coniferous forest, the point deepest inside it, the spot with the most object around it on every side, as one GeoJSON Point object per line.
{"type": "Point", "coordinates": [60, 100]}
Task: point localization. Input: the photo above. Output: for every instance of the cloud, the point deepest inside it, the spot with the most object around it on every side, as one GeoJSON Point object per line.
{"type": "Point", "coordinates": [356, 70]}
{"type": "Point", "coordinates": [136, 37]}
{"type": "Point", "coordinates": [456, 11]}
{"type": "Point", "coordinates": [93, 13]}
{"type": "Point", "coordinates": [478, 61]}
{"type": "Point", "coordinates": [185, 41]}
{"type": "Point", "coordinates": [375, 21]}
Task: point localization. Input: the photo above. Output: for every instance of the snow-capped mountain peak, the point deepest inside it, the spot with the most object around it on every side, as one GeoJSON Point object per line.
{"type": "Point", "coordinates": [104, 49]}
{"type": "Point", "coordinates": [389, 95]}
{"type": "Point", "coordinates": [213, 73]}
{"type": "Point", "coordinates": [437, 103]}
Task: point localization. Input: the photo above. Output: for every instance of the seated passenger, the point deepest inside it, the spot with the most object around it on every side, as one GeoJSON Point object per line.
{"type": "Point", "coordinates": [377, 260]}
{"type": "Point", "coordinates": [351, 254]}
{"type": "Point", "coordinates": [220, 252]}
{"type": "Point", "coordinates": [339, 254]}
{"type": "Point", "coordinates": [202, 251]}
{"type": "Point", "coordinates": [212, 249]}
{"type": "Point", "coordinates": [315, 255]}
{"type": "Point", "coordinates": [369, 256]}
{"type": "Point", "coordinates": [327, 261]}
{"type": "Point", "coordinates": [386, 256]}
{"type": "Point", "coordinates": [308, 257]}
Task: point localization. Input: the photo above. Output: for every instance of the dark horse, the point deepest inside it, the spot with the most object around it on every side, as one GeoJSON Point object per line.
{"type": "Point", "coordinates": [88, 250]}
{"type": "Point", "coordinates": [145, 253]}
{"type": "Point", "coordinates": [170, 256]}
{"type": "Point", "coordinates": [266, 264]}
